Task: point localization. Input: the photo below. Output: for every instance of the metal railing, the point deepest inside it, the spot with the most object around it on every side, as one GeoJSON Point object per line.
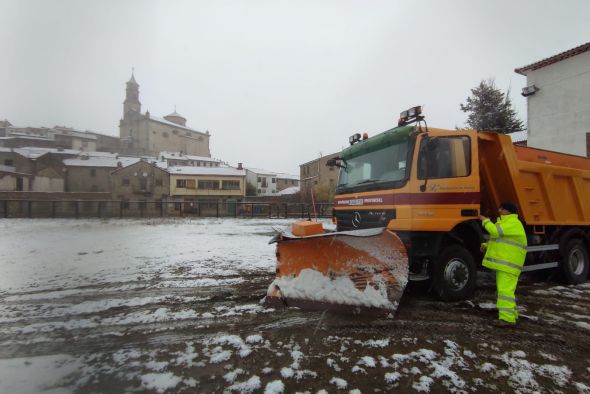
{"type": "Point", "coordinates": [11, 208]}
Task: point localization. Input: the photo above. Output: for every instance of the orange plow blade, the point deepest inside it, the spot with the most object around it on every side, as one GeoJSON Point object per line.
{"type": "Point", "coordinates": [360, 272]}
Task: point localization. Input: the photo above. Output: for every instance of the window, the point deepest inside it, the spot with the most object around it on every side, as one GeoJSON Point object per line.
{"type": "Point", "coordinates": [444, 157]}
{"type": "Point", "coordinates": [190, 184]}
{"type": "Point", "coordinates": [8, 162]}
{"type": "Point", "coordinates": [181, 183]}
{"type": "Point", "coordinates": [264, 182]}
{"type": "Point", "coordinates": [230, 185]}
{"type": "Point", "coordinates": [159, 182]}
{"type": "Point", "coordinates": [125, 181]}
{"type": "Point", "coordinates": [93, 172]}
{"type": "Point", "coordinates": [175, 132]}
{"type": "Point", "coordinates": [165, 134]}
{"type": "Point", "coordinates": [274, 180]}
{"type": "Point", "coordinates": [143, 184]}
{"type": "Point", "coordinates": [209, 185]}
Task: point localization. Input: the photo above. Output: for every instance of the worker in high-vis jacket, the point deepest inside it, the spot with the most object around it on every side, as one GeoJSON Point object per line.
{"type": "Point", "coordinates": [505, 253]}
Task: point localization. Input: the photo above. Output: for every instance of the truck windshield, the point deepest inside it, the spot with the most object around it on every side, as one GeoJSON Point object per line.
{"type": "Point", "coordinates": [377, 164]}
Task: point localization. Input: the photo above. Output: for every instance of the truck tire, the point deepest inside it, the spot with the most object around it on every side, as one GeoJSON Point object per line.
{"type": "Point", "coordinates": [575, 262]}
{"type": "Point", "coordinates": [454, 274]}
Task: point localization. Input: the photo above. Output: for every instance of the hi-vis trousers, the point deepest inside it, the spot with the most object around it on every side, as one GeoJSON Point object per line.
{"type": "Point", "coordinates": [506, 303]}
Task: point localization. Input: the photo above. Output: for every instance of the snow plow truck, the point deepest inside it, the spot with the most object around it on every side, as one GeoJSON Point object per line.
{"type": "Point", "coordinates": [407, 208]}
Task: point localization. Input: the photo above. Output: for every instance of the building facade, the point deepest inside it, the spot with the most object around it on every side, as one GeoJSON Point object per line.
{"type": "Point", "coordinates": [147, 135]}
{"type": "Point", "coordinates": [93, 174]}
{"type": "Point", "coordinates": [558, 93]}
{"type": "Point", "coordinates": [318, 178]}
{"type": "Point", "coordinates": [261, 183]}
{"type": "Point", "coordinates": [142, 182]}
{"type": "Point", "coordinates": [285, 181]}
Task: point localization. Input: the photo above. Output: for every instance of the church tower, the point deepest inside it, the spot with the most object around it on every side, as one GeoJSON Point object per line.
{"type": "Point", "coordinates": [131, 102]}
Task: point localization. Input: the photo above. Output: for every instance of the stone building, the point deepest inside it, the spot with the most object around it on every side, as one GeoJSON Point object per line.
{"type": "Point", "coordinates": [93, 174]}
{"type": "Point", "coordinates": [147, 135]}
{"type": "Point", "coordinates": [13, 181]}
{"type": "Point", "coordinates": [285, 181]}
{"type": "Point", "coordinates": [558, 93]}
{"type": "Point", "coordinates": [142, 182]}
{"type": "Point", "coordinates": [316, 176]}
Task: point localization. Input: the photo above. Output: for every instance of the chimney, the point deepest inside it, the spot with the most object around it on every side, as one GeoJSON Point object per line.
{"type": "Point", "coordinates": [240, 166]}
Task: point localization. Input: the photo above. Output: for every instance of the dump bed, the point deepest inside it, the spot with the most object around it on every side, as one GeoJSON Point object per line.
{"type": "Point", "coordinates": [550, 188]}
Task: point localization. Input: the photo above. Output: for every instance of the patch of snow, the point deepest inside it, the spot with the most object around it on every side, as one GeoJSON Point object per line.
{"type": "Point", "coordinates": [332, 364]}
{"type": "Point", "coordinates": [274, 387]}
{"type": "Point", "coordinates": [313, 285]}
{"type": "Point", "coordinates": [230, 377]}
{"type": "Point", "coordinates": [254, 338]}
{"type": "Point", "coordinates": [248, 386]}
{"type": "Point", "coordinates": [392, 377]}
{"type": "Point", "coordinates": [339, 383]}
{"type": "Point", "coordinates": [220, 356]}
{"type": "Point", "coordinates": [160, 382]}
{"type": "Point", "coordinates": [367, 361]}
{"type": "Point", "coordinates": [423, 384]}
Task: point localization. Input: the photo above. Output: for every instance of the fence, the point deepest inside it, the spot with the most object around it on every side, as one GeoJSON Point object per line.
{"type": "Point", "coordinates": [126, 209]}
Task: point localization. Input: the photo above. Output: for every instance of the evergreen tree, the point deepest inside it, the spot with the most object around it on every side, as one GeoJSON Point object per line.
{"type": "Point", "coordinates": [491, 110]}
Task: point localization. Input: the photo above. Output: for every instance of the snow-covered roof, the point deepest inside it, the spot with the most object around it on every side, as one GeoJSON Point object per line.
{"type": "Point", "coordinates": [11, 169]}
{"type": "Point", "coordinates": [289, 191]}
{"type": "Point", "coordinates": [101, 161]}
{"type": "Point", "coordinates": [25, 136]}
{"type": "Point", "coordinates": [260, 171]}
{"type": "Point", "coordinates": [519, 136]}
{"type": "Point", "coordinates": [287, 176]}
{"type": "Point", "coordinates": [180, 156]}
{"type": "Point", "coordinates": [225, 171]}
{"type": "Point", "coordinates": [176, 125]}
{"type": "Point", "coordinates": [201, 158]}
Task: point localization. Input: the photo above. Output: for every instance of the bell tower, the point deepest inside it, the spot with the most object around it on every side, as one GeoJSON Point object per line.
{"type": "Point", "coordinates": [131, 102]}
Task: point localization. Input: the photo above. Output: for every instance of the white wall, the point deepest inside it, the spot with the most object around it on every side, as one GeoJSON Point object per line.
{"type": "Point", "coordinates": [559, 112]}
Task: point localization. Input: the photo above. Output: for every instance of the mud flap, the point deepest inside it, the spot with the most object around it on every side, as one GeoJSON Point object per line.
{"type": "Point", "coordinates": [361, 272]}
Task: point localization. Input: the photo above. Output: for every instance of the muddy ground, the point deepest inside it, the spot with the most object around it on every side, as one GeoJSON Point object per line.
{"type": "Point", "coordinates": [163, 326]}
{"type": "Point", "coordinates": [428, 346]}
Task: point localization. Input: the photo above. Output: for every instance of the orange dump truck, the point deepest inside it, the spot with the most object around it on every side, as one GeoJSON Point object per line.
{"type": "Point", "coordinates": [423, 189]}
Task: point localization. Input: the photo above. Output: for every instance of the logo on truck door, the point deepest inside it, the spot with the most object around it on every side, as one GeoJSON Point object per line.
{"type": "Point", "coordinates": [356, 219]}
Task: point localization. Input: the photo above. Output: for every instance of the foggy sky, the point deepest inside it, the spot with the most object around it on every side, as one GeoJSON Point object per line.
{"type": "Point", "coordinates": [276, 83]}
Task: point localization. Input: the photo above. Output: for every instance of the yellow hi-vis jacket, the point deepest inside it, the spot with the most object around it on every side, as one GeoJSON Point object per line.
{"type": "Point", "coordinates": [506, 249]}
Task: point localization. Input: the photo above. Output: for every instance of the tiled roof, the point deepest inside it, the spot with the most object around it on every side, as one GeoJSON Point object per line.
{"type": "Point", "coordinates": [553, 59]}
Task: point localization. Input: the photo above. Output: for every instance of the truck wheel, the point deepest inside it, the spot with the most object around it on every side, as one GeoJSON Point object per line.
{"type": "Point", "coordinates": [454, 274]}
{"type": "Point", "coordinates": [575, 262]}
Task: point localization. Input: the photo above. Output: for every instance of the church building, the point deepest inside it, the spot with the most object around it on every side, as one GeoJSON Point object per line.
{"type": "Point", "coordinates": [147, 135]}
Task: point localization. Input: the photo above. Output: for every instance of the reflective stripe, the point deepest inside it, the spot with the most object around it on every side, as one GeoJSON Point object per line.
{"type": "Point", "coordinates": [505, 241]}
{"type": "Point", "coordinates": [500, 232]}
{"type": "Point", "coordinates": [507, 310]}
{"type": "Point", "coordinates": [505, 298]}
{"type": "Point", "coordinates": [509, 264]}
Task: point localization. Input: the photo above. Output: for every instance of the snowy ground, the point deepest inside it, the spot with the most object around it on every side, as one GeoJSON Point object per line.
{"type": "Point", "coordinates": [173, 306]}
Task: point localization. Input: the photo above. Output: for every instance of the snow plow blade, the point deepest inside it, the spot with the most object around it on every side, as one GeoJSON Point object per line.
{"type": "Point", "coordinates": [359, 272]}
